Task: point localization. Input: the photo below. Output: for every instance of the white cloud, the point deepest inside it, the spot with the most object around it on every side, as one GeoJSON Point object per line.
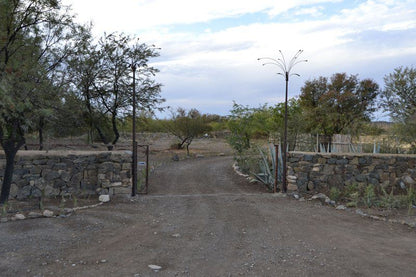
{"type": "Point", "coordinates": [314, 11]}
{"type": "Point", "coordinates": [130, 15]}
{"type": "Point", "coordinates": [222, 63]}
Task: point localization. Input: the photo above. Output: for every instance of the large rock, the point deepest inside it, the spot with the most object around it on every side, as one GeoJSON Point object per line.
{"type": "Point", "coordinates": [18, 217]}
{"type": "Point", "coordinates": [47, 213]}
{"type": "Point", "coordinates": [408, 181]}
{"type": "Point", "coordinates": [292, 186]}
{"type": "Point", "coordinates": [104, 198]}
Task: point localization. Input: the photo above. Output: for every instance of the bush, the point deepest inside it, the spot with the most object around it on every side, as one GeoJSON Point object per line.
{"type": "Point", "coordinates": [335, 194]}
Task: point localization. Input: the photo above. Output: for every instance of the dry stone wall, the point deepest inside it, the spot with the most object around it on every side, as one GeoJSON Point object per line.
{"type": "Point", "coordinates": [66, 173]}
{"type": "Point", "coordinates": [318, 171]}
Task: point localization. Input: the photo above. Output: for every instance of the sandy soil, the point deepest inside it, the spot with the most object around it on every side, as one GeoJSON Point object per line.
{"type": "Point", "coordinates": [201, 219]}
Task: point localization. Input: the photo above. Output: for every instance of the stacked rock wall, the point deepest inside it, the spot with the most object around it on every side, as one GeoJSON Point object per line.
{"type": "Point", "coordinates": [318, 171]}
{"type": "Point", "coordinates": [66, 173]}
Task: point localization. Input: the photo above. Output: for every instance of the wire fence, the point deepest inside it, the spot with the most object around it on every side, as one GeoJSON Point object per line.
{"type": "Point", "coordinates": [346, 144]}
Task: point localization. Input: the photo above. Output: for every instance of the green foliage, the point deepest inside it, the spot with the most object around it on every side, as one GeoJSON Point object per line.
{"type": "Point", "coordinates": [399, 94]}
{"type": "Point", "coordinates": [267, 167]}
{"type": "Point", "coordinates": [74, 200]}
{"type": "Point", "coordinates": [102, 77]}
{"type": "Point", "coordinates": [389, 200]}
{"type": "Point", "coordinates": [240, 125]}
{"type": "Point", "coordinates": [247, 123]}
{"type": "Point", "coordinates": [187, 125]}
{"type": "Point", "coordinates": [371, 129]}
{"type": "Point", "coordinates": [352, 194]}
{"type": "Point", "coordinates": [334, 194]}
{"type": "Point", "coordinates": [398, 98]}
{"type": "Point", "coordinates": [369, 196]}
{"type": "Point", "coordinates": [338, 105]}
{"type": "Point", "coordinates": [4, 209]}
{"type": "Point", "coordinates": [69, 119]}
{"type": "Point", "coordinates": [36, 38]}
{"type": "Point", "coordinates": [411, 198]}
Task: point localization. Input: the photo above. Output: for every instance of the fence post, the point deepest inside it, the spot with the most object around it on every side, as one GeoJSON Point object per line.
{"type": "Point", "coordinates": [147, 167]}
{"type": "Point", "coordinates": [134, 169]}
{"type": "Point", "coordinates": [276, 170]}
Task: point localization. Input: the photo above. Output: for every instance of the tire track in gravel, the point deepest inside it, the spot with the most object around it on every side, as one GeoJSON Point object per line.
{"type": "Point", "coordinates": [202, 219]}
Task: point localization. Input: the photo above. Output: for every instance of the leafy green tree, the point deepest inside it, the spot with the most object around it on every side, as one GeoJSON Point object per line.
{"type": "Point", "coordinates": [399, 99]}
{"type": "Point", "coordinates": [295, 122]}
{"type": "Point", "coordinates": [337, 105]}
{"type": "Point", "coordinates": [187, 125]}
{"type": "Point", "coordinates": [101, 74]}
{"type": "Point", "coordinates": [83, 75]}
{"type": "Point", "coordinates": [246, 123]}
{"type": "Point", "coordinates": [35, 37]}
{"type": "Point", "coordinates": [68, 119]}
{"type": "Point", "coordinates": [240, 124]}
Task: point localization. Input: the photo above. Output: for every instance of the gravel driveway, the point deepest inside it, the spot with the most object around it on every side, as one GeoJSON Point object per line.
{"type": "Point", "coordinates": [201, 219]}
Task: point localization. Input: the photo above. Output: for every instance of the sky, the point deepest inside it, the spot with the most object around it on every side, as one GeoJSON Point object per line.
{"type": "Point", "coordinates": [209, 49]}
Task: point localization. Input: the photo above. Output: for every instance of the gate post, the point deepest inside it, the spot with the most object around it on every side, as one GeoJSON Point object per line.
{"type": "Point", "coordinates": [134, 170]}
{"type": "Point", "coordinates": [147, 167]}
{"type": "Point", "coordinates": [276, 170]}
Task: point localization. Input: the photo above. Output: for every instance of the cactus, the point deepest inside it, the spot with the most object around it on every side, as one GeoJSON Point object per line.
{"type": "Point", "coordinates": [267, 165]}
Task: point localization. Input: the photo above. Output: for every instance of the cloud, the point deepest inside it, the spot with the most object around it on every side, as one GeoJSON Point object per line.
{"type": "Point", "coordinates": [206, 63]}
{"type": "Point", "coordinates": [145, 14]}
{"type": "Point", "coordinates": [313, 11]}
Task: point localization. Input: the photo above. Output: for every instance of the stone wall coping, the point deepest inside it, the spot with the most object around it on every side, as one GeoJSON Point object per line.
{"type": "Point", "coordinates": [352, 154]}
{"type": "Point", "coordinates": [64, 153]}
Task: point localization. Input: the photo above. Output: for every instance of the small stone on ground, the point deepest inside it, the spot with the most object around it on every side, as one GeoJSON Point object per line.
{"type": "Point", "coordinates": [154, 267]}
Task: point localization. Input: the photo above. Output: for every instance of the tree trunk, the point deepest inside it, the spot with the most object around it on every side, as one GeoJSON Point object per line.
{"type": "Point", "coordinates": [115, 130]}
{"type": "Point", "coordinates": [187, 149]}
{"type": "Point", "coordinates": [11, 144]}
{"type": "Point", "coordinates": [10, 147]}
{"type": "Point", "coordinates": [93, 120]}
{"type": "Point", "coordinates": [101, 134]}
{"type": "Point", "coordinates": [182, 143]}
{"type": "Point", "coordinates": [8, 174]}
{"type": "Point", "coordinates": [41, 125]}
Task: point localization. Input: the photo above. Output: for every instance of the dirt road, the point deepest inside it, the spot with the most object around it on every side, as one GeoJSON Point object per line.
{"type": "Point", "coordinates": [201, 219]}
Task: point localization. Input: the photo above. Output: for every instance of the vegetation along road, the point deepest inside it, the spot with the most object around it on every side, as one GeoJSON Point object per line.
{"type": "Point", "coordinates": [202, 219]}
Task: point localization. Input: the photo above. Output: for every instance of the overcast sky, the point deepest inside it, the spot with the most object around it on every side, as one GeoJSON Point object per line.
{"type": "Point", "coordinates": [210, 48]}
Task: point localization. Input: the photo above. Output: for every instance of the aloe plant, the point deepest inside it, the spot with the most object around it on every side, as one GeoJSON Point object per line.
{"type": "Point", "coordinates": [267, 165]}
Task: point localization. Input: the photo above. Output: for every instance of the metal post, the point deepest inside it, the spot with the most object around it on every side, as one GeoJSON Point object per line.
{"type": "Point", "coordinates": [286, 72]}
{"type": "Point", "coordinates": [276, 176]}
{"type": "Point", "coordinates": [147, 167]}
{"type": "Point", "coordinates": [284, 181]}
{"type": "Point", "coordinates": [134, 165]}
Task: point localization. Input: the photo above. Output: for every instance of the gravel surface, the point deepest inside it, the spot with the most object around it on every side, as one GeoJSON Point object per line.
{"type": "Point", "coordinates": [202, 219]}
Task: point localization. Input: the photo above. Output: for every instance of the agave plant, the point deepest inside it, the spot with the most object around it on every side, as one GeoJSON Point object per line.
{"type": "Point", "coordinates": [267, 165]}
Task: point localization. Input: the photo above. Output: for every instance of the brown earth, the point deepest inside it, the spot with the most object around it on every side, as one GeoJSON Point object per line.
{"type": "Point", "coordinates": [202, 219]}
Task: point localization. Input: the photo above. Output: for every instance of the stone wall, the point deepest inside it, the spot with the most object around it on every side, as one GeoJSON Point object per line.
{"type": "Point", "coordinates": [318, 171]}
{"type": "Point", "coordinates": [59, 173]}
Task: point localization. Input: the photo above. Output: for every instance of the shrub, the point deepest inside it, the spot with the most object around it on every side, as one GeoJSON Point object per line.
{"type": "Point", "coordinates": [335, 194]}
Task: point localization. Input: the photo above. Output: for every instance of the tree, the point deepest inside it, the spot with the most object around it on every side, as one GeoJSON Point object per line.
{"type": "Point", "coordinates": [68, 118]}
{"type": "Point", "coordinates": [338, 105]}
{"type": "Point", "coordinates": [399, 99]}
{"type": "Point", "coordinates": [246, 123]}
{"type": "Point", "coordinates": [295, 122]}
{"type": "Point", "coordinates": [35, 37]}
{"type": "Point", "coordinates": [101, 74]}
{"type": "Point", "coordinates": [240, 124]}
{"type": "Point", "coordinates": [187, 125]}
